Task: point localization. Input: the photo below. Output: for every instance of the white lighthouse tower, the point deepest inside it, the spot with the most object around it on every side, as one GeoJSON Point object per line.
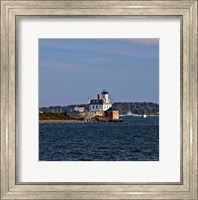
{"type": "Point", "coordinates": [102, 104]}
{"type": "Point", "coordinates": [105, 96]}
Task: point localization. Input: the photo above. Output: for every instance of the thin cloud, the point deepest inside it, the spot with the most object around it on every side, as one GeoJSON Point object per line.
{"type": "Point", "coordinates": [72, 53]}
{"type": "Point", "coordinates": [145, 41]}
{"type": "Point", "coordinates": [133, 53]}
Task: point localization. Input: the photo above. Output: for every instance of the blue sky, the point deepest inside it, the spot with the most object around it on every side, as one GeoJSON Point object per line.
{"type": "Point", "coordinates": [73, 70]}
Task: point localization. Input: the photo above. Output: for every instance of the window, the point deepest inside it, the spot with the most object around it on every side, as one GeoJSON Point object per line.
{"type": "Point", "coordinates": [93, 107]}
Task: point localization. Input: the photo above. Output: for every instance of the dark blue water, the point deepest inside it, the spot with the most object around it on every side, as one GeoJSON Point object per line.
{"type": "Point", "coordinates": [137, 139]}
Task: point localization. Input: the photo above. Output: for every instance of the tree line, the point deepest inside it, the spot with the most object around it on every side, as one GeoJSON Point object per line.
{"type": "Point", "coordinates": [140, 108]}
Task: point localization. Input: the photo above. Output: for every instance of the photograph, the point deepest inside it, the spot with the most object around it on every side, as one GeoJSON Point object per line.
{"type": "Point", "coordinates": [99, 99]}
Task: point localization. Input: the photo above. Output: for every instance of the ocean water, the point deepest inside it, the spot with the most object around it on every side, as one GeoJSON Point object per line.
{"type": "Point", "coordinates": [136, 139]}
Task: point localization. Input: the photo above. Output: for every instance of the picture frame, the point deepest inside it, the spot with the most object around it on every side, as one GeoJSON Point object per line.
{"type": "Point", "coordinates": [10, 11]}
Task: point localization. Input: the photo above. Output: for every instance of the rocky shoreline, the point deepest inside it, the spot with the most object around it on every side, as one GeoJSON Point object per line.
{"type": "Point", "coordinates": [95, 119]}
{"type": "Point", "coordinates": [60, 121]}
{"type": "Point", "coordinates": [103, 119]}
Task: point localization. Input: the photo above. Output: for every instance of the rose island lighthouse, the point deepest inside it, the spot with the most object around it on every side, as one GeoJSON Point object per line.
{"type": "Point", "coordinates": [100, 104]}
{"type": "Point", "coordinates": [100, 109]}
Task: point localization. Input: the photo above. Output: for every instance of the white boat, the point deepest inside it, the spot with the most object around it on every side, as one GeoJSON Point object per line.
{"type": "Point", "coordinates": [144, 115]}
{"type": "Point", "coordinates": [129, 114]}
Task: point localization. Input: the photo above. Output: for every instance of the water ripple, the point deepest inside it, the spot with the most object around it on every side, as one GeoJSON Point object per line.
{"type": "Point", "coordinates": [137, 139]}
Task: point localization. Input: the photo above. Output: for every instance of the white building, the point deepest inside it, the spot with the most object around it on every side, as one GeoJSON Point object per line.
{"type": "Point", "coordinates": [102, 104]}
{"type": "Point", "coordinates": [79, 108]}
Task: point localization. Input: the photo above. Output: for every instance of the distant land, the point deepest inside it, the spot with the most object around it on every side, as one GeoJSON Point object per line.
{"type": "Point", "coordinates": [139, 108]}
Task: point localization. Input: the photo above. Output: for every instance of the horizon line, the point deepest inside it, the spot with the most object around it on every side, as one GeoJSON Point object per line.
{"type": "Point", "coordinates": [112, 103]}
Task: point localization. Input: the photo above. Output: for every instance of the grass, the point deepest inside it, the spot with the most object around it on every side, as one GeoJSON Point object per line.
{"type": "Point", "coordinates": [53, 116]}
